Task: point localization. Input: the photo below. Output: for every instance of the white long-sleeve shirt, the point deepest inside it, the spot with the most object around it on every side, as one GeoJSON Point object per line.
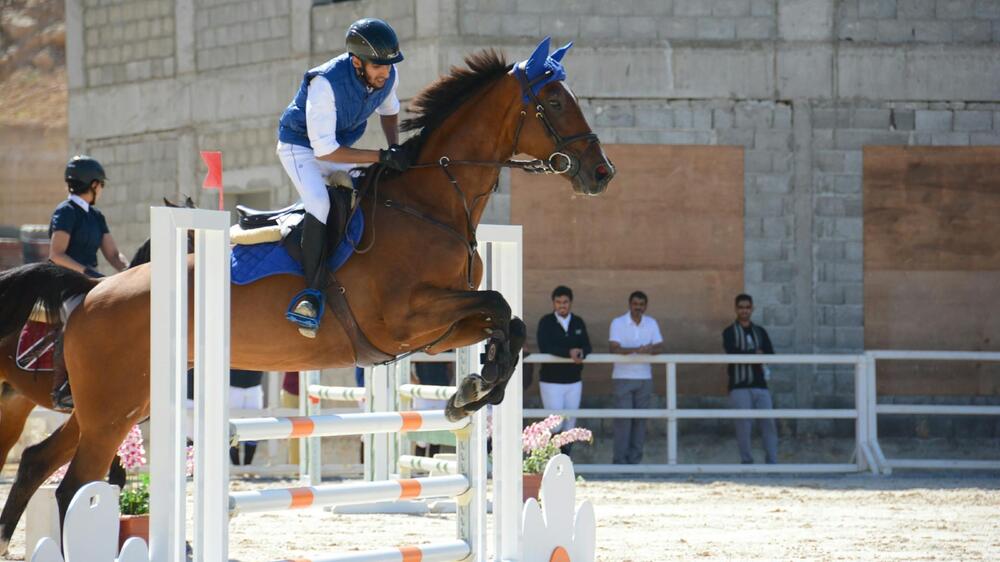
{"type": "Point", "coordinates": [321, 113]}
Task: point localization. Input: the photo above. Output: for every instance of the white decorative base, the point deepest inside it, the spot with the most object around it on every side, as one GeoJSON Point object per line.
{"type": "Point", "coordinates": [558, 535]}
{"type": "Point", "coordinates": [90, 532]}
{"type": "Point", "coordinates": [41, 518]}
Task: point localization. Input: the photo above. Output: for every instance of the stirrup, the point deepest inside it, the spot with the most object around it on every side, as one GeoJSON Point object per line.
{"type": "Point", "coordinates": [307, 324]}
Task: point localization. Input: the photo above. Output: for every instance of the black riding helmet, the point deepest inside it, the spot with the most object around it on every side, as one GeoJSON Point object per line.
{"type": "Point", "coordinates": [82, 171]}
{"type": "Point", "coordinates": [374, 41]}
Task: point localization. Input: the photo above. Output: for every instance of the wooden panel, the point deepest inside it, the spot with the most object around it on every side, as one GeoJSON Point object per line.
{"type": "Point", "coordinates": [670, 225]}
{"type": "Point", "coordinates": [932, 208]}
{"type": "Point", "coordinates": [932, 264]}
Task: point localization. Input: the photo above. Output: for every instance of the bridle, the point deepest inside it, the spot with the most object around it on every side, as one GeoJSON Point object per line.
{"type": "Point", "coordinates": [570, 161]}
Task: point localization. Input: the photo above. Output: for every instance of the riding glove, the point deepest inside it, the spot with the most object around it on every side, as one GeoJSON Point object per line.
{"type": "Point", "coordinates": [394, 157]}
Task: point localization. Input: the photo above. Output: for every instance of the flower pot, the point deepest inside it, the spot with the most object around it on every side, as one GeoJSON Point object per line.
{"type": "Point", "coordinates": [133, 526]}
{"type": "Point", "coordinates": [530, 485]}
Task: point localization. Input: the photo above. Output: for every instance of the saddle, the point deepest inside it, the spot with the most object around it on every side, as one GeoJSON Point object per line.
{"type": "Point", "coordinates": [285, 227]}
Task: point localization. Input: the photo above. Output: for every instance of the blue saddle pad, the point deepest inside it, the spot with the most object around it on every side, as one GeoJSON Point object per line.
{"type": "Point", "coordinates": [250, 263]}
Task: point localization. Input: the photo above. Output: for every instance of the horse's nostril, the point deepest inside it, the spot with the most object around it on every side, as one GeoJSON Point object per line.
{"type": "Point", "coordinates": [600, 172]}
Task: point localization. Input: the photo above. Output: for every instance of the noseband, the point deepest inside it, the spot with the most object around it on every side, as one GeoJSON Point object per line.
{"type": "Point", "coordinates": [570, 158]}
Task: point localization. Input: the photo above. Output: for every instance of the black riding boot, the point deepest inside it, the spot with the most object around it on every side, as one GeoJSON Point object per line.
{"type": "Point", "coordinates": [314, 236]}
{"type": "Point", "coordinates": [61, 397]}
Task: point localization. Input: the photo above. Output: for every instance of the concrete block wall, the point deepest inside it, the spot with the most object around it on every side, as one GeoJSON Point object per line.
{"type": "Point", "coordinates": [802, 85]}
{"type": "Point", "coordinates": [128, 40]}
{"type": "Point", "coordinates": [919, 21]}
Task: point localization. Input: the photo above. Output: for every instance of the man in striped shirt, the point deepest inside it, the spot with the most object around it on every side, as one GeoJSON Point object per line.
{"type": "Point", "coordinates": [748, 383]}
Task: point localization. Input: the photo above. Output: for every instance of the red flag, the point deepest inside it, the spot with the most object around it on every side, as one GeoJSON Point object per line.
{"type": "Point", "coordinates": [213, 179]}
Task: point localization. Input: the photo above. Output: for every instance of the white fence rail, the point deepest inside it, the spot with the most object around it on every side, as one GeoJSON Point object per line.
{"type": "Point", "coordinates": [868, 453]}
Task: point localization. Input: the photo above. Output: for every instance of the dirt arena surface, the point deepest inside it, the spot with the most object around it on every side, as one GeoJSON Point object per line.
{"type": "Point", "coordinates": [857, 517]}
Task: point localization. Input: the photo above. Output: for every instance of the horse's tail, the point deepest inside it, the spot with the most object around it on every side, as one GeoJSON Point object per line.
{"type": "Point", "coordinates": [45, 283]}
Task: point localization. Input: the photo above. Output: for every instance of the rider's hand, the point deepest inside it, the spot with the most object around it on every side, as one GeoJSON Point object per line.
{"type": "Point", "coordinates": [394, 157]}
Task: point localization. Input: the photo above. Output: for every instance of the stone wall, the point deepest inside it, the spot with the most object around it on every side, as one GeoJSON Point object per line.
{"type": "Point", "coordinates": [801, 85]}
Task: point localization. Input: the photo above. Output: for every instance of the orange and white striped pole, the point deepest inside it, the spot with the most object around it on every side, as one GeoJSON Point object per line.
{"type": "Point", "coordinates": [282, 499]}
{"type": "Point", "coordinates": [436, 552]}
{"type": "Point", "coordinates": [333, 425]}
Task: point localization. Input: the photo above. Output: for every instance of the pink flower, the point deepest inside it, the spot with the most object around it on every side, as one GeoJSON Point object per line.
{"type": "Point", "coordinates": [572, 436]}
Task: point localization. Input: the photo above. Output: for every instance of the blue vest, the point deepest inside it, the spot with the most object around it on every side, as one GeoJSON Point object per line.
{"type": "Point", "coordinates": [354, 103]}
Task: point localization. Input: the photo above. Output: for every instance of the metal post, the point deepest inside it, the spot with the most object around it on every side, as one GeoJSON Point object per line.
{"type": "Point", "coordinates": [303, 443]}
{"type": "Point", "coordinates": [470, 446]}
{"type": "Point", "coordinates": [211, 378]}
{"type": "Point", "coordinates": [861, 422]}
{"type": "Point", "coordinates": [367, 440]}
{"type": "Point", "coordinates": [315, 443]}
{"type": "Point", "coordinates": [381, 443]}
{"type": "Point", "coordinates": [401, 404]}
{"type": "Point", "coordinates": [168, 363]}
{"type": "Point", "coordinates": [504, 259]}
{"type": "Point", "coordinates": [671, 408]}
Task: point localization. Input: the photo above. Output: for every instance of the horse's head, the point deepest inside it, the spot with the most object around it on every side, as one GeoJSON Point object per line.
{"type": "Point", "coordinates": [552, 126]}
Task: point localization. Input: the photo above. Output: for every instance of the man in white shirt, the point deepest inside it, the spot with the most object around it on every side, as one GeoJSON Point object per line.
{"type": "Point", "coordinates": [633, 333]}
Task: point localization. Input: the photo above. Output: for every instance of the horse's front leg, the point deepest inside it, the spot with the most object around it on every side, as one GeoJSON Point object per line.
{"type": "Point", "coordinates": [481, 315]}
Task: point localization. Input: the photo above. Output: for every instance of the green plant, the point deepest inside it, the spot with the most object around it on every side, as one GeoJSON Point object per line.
{"type": "Point", "coordinates": [134, 498]}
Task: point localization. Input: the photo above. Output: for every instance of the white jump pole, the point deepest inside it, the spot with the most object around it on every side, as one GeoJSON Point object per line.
{"type": "Point", "coordinates": [168, 366]}
{"type": "Point", "coordinates": [503, 273]}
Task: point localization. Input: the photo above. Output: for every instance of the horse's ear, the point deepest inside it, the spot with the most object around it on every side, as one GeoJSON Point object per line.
{"type": "Point", "coordinates": [535, 64]}
{"type": "Point", "coordinates": [188, 202]}
{"type": "Point", "coordinates": [561, 52]}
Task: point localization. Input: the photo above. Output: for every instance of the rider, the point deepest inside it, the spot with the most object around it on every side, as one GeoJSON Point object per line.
{"type": "Point", "coordinates": [315, 136]}
{"type": "Point", "coordinates": [77, 230]}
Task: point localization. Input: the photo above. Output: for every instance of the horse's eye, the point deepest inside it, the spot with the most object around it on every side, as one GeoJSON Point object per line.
{"type": "Point", "coordinates": [555, 104]}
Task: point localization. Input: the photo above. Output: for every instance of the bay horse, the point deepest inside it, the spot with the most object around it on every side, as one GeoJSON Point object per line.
{"type": "Point", "coordinates": [413, 289]}
{"type": "Point", "coordinates": [21, 391]}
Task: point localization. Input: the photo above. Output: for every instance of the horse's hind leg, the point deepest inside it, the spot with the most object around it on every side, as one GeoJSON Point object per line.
{"type": "Point", "coordinates": [94, 453]}
{"type": "Point", "coordinates": [38, 462]}
{"type": "Point", "coordinates": [14, 411]}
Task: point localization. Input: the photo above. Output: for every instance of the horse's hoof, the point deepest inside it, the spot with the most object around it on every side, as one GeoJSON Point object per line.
{"type": "Point", "coordinates": [308, 332]}
{"type": "Point", "coordinates": [469, 390]}
{"type": "Point", "coordinates": [452, 412]}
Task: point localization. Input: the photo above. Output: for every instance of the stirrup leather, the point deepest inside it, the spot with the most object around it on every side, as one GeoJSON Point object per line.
{"type": "Point", "coordinates": [302, 320]}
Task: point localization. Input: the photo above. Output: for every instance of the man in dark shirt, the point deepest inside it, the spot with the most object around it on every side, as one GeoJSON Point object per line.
{"type": "Point", "coordinates": [748, 383]}
{"type": "Point", "coordinates": [564, 334]}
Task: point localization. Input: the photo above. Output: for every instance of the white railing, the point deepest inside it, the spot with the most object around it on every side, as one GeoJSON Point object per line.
{"type": "Point", "coordinates": [873, 357]}
{"type": "Point", "coordinates": [864, 458]}
{"type": "Point", "coordinates": [868, 452]}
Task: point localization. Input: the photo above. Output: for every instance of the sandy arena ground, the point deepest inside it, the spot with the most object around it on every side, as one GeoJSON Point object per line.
{"type": "Point", "coordinates": [903, 517]}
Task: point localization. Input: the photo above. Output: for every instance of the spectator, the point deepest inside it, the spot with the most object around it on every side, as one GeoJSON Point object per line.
{"type": "Point", "coordinates": [245, 393]}
{"type": "Point", "coordinates": [564, 334]}
{"type": "Point", "coordinates": [632, 333]}
{"type": "Point", "coordinates": [290, 399]}
{"type": "Point", "coordinates": [748, 383]}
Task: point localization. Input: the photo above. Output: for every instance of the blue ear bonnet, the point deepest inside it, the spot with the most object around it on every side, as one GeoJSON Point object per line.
{"type": "Point", "coordinates": [541, 68]}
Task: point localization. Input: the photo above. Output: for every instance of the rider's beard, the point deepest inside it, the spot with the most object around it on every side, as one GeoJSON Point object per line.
{"type": "Point", "coordinates": [363, 75]}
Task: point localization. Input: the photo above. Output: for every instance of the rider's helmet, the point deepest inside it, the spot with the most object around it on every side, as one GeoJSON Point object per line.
{"type": "Point", "coordinates": [374, 41]}
{"type": "Point", "coordinates": [81, 172]}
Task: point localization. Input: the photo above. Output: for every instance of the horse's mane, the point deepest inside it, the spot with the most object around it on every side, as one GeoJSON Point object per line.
{"type": "Point", "coordinates": [446, 94]}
